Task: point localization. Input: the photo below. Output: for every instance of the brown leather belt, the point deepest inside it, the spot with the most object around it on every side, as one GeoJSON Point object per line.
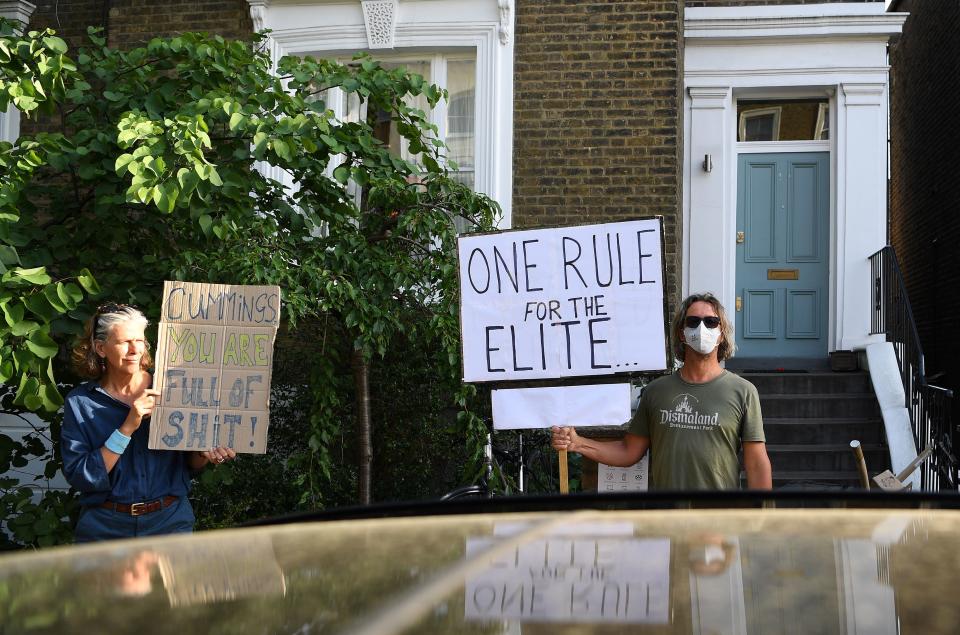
{"type": "Point", "coordinates": [139, 509]}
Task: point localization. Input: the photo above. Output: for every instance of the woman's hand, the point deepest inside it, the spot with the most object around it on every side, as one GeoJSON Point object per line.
{"type": "Point", "coordinates": [565, 439]}
{"type": "Point", "coordinates": [219, 455]}
{"type": "Point", "coordinates": [141, 408]}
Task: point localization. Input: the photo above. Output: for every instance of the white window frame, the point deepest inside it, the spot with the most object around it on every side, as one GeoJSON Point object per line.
{"type": "Point", "coordinates": [823, 123]}
{"type": "Point", "coordinates": [757, 113]}
{"type": "Point", "coordinates": [337, 29]}
{"type": "Point", "coordinates": [437, 61]}
{"type": "Point", "coordinates": [10, 125]}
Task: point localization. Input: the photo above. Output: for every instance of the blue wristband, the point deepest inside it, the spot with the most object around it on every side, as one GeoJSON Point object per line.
{"type": "Point", "coordinates": [117, 442]}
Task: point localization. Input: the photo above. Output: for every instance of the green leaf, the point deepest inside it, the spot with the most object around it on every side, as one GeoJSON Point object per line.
{"type": "Point", "coordinates": [55, 44]}
{"type": "Point", "coordinates": [23, 327]}
{"type": "Point", "coordinates": [50, 293]}
{"type": "Point", "coordinates": [6, 371]}
{"type": "Point", "coordinates": [213, 176]}
{"type": "Point", "coordinates": [28, 386]}
{"type": "Point", "coordinates": [37, 275]}
{"type": "Point", "coordinates": [282, 149]}
{"type": "Point", "coordinates": [50, 397]}
{"type": "Point", "coordinates": [70, 294]}
{"type": "Point", "coordinates": [342, 174]}
{"type": "Point", "coordinates": [205, 222]}
{"type": "Point", "coordinates": [259, 141]}
{"type": "Point", "coordinates": [9, 255]}
{"type": "Point", "coordinates": [236, 119]}
{"type": "Point", "coordinates": [13, 314]}
{"type": "Point", "coordinates": [120, 167]}
{"type": "Point", "coordinates": [88, 282]}
{"type": "Point", "coordinates": [39, 305]}
{"type": "Point", "coordinates": [41, 344]}
{"type": "Point", "coordinates": [187, 179]}
{"type": "Point", "coordinates": [33, 402]}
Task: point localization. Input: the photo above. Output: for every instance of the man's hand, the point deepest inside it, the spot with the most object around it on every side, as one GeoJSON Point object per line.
{"type": "Point", "coordinates": [565, 439]}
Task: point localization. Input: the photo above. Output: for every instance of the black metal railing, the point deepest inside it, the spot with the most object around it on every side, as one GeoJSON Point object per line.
{"type": "Point", "coordinates": [929, 406]}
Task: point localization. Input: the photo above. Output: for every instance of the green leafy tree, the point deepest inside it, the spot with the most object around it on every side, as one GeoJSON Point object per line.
{"type": "Point", "coordinates": [148, 170]}
{"type": "Point", "coordinates": [37, 305]}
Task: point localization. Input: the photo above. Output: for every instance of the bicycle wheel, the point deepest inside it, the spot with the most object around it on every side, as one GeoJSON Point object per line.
{"type": "Point", "coordinates": [466, 492]}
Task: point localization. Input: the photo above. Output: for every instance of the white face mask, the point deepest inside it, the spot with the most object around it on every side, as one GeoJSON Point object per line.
{"type": "Point", "coordinates": [702, 339]}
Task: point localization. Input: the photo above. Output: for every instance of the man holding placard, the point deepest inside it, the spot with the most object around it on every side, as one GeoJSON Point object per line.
{"type": "Point", "coordinates": [695, 420]}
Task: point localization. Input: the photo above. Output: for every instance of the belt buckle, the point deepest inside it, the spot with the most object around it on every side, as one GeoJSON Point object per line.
{"type": "Point", "coordinates": [138, 509]}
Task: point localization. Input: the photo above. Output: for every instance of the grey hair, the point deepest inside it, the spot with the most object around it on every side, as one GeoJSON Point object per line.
{"type": "Point", "coordinates": [106, 321]}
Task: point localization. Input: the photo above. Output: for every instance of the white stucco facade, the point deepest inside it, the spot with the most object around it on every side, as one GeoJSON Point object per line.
{"type": "Point", "coordinates": [485, 27]}
{"type": "Point", "coordinates": [832, 51]}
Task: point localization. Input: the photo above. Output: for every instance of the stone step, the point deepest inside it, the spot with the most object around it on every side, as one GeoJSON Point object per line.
{"type": "Point", "coordinates": [819, 458]}
{"type": "Point", "coordinates": [816, 480]}
{"type": "Point", "coordinates": [812, 382]}
{"type": "Point", "coordinates": [821, 406]}
{"type": "Point", "coordinates": [806, 480]}
{"type": "Point", "coordinates": [789, 430]}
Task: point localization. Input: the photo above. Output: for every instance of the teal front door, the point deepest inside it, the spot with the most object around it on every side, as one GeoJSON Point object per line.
{"type": "Point", "coordinates": [783, 239]}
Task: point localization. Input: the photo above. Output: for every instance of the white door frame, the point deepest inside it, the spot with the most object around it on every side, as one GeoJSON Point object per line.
{"type": "Point", "coordinates": [836, 51]}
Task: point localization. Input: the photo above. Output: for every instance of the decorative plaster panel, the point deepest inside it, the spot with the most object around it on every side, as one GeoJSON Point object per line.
{"type": "Point", "coordinates": [380, 18]}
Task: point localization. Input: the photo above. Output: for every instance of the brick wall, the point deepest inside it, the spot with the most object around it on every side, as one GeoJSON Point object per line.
{"type": "Point", "coordinates": [133, 22]}
{"type": "Point", "coordinates": [596, 115]}
{"type": "Point", "coordinates": [924, 186]}
{"type": "Point", "coordinates": [130, 23]}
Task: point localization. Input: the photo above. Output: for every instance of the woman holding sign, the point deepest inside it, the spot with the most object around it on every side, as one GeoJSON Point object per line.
{"type": "Point", "coordinates": [126, 489]}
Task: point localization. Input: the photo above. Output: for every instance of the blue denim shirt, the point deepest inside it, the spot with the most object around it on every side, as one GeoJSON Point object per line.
{"type": "Point", "coordinates": [141, 474]}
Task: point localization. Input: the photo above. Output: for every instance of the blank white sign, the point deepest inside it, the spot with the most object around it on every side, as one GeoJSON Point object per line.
{"type": "Point", "coordinates": [565, 302]}
{"type": "Point", "coordinates": [597, 405]}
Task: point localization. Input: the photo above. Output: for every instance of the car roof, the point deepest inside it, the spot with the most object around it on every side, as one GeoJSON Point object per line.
{"type": "Point", "coordinates": [578, 564]}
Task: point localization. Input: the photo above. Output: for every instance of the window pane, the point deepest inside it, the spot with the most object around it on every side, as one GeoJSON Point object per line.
{"type": "Point", "coordinates": [461, 84]}
{"type": "Point", "coordinates": [385, 129]}
{"type": "Point", "coordinates": [783, 120]}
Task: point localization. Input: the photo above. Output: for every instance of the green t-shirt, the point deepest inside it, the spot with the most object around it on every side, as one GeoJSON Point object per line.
{"type": "Point", "coordinates": [695, 430]}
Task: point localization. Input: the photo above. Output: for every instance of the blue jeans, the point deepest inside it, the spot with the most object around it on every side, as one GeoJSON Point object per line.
{"type": "Point", "coordinates": [99, 523]}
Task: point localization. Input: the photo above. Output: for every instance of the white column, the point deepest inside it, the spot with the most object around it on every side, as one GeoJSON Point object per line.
{"type": "Point", "coordinates": [861, 206]}
{"type": "Point", "coordinates": [708, 226]}
{"type": "Point", "coordinates": [17, 11]}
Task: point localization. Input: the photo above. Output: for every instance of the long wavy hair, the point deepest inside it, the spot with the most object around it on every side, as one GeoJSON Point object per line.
{"type": "Point", "coordinates": [86, 362]}
{"type": "Point", "coordinates": [727, 346]}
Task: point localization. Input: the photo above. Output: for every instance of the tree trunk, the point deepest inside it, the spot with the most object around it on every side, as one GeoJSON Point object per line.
{"type": "Point", "coordinates": [361, 380]}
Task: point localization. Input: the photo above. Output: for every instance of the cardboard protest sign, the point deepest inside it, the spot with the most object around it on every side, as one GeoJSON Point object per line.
{"type": "Point", "coordinates": [564, 302]}
{"type": "Point", "coordinates": [208, 573]}
{"type": "Point", "coordinates": [213, 366]}
{"type": "Point", "coordinates": [583, 577]}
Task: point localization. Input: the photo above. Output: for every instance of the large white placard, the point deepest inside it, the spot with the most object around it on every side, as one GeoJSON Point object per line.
{"type": "Point", "coordinates": [565, 302]}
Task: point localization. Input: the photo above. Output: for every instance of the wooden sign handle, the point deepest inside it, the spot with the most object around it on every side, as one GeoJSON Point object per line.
{"type": "Point", "coordinates": [564, 473]}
